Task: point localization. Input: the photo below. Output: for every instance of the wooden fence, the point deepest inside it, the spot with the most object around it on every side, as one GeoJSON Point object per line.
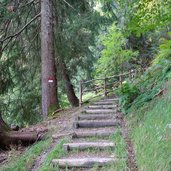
{"type": "Point", "coordinates": [104, 86]}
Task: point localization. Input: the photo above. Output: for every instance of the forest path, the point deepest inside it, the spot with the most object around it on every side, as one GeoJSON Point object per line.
{"type": "Point", "coordinates": [61, 125]}
{"type": "Point", "coordinates": [91, 146]}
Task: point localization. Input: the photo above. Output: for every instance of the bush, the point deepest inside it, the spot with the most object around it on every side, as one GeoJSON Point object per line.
{"type": "Point", "coordinates": [128, 93]}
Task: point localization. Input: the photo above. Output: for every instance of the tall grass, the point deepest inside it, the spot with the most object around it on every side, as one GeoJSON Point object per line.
{"type": "Point", "coordinates": [151, 133]}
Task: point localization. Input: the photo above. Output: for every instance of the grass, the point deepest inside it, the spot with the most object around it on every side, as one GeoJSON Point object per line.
{"type": "Point", "coordinates": [57, 152]}
{"type": "Point", "coordinates": [151, 134]}
{"type": "Point", "coordinates": [25, 161]}
{"type": "Point", "coordinates": [119, 152]}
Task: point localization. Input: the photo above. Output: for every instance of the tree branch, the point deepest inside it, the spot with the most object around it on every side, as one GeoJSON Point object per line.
{"type": "Point", "coordinates": [21, 30]}
{"type": "Point", "coordinates": [71, 6]}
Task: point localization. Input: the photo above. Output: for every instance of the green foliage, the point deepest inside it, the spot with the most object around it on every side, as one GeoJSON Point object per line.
{"type": "Point", "coordinates": [114, 53]}
{"type": "Point", "coordinates": [151, 133]}
{"type": "Point", "coordinates": [164, 51]}
{"type": "Point", "coordinates": [145, 87]}
{"type": "Point", "coordinates": [151, 82]}
{"type": "Point", "coordinates": [148, 15]}
{"type": "Point", "coordinates": [161, 65]}
{"type": "Point", "coordinates": [75, 33]}
{"type": "Point", "coordinates": [20, 90]}
{"type": "Point", "coordinates": [127, 93]}
{"type": "Point", "coordinates": [19, 64]}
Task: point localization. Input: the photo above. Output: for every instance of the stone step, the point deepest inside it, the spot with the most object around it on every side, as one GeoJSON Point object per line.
{"type": "Point", "coordinates": [95, 116]}
{"type": "Point", "coordinates": [83, 162]}
{"type": "Point", "coordinates": [103, 111]}
{"type": "Point", "coordinates": [94, 133]}
{"type": "Point", "coordinates": [95, 124]}
{"type": "Point", "coordinates": [87, 145]}
{"type": "Point", "coordinates": [102, 107]}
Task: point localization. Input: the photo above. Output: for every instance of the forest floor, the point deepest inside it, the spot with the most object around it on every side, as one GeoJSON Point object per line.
{"type": "Point", "coordinates": [61, 125]}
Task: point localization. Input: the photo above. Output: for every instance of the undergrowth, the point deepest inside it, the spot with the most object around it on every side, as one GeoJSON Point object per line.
{"type": "Point", "coordinates": [25, 161]}
{"type": "Point", "coordinates": [144, 88]}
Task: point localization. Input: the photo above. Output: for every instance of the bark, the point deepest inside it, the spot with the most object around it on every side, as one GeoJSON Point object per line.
{"type": "Point", "coordinates": [72, 98]}
{"type": "Point", "coordinates": [87, 134]}
{"type": "Point", "coordinates": [83, 162]}
{"type": "Point", "coordinates": [95, 116]}
{"type": "Point", "coordinates": [99, 111]}
{"type": "Point", "coordinates": [88, 145]}
{"type": "Point", "coordinates": [8, 137]}
{"type": "Point", "coordinates": [95, 124]}
{"type": "Point", "coordinates": [68, 86]}
{"type": "Point", "coordinates": [48, 72]}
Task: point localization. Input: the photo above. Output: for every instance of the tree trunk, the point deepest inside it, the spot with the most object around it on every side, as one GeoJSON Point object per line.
{"type": "Point", "coordinates": [8, 137]}
{"type": "Point", "coordinates": [48, 73]}
{"type": "Point", "coordinates": [68, 86]}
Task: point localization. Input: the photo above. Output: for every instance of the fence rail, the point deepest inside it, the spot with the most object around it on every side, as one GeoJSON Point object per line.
{"type": "Point", "coordinates": [103, 86]}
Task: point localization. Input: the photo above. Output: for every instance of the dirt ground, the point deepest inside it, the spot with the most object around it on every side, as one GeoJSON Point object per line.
{"type": "Point", "coordinates": [60, 123]}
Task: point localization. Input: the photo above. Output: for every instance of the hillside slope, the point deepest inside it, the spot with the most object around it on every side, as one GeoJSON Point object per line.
{"type": "Point", "coordinates": [151, 132]}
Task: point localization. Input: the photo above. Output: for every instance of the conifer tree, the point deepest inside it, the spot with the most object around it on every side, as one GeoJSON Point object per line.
{"type": "Point", "coordinates": [48, 69]}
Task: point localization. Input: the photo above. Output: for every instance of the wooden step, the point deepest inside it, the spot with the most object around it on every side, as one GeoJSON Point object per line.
{"type": "Point", "coordinates": [59, 136]}
{"type": "Point", "coordinates": [94, 113]}
{"type": "Point", "coordinates": [102, 107]}
{"type": "Point", "coordinates": [96, 133]}
{"type": "Point", "coordinates": [83, 162]}
{"type": "Point", "coordinates": [104, 103]}
{"type": "Point", "coordinates": [86, 145]}
{"type": "Point", "coordinates": [102, 111]}
{"type": "Point", "coordinates": [95, 116]}
{"type": "Point", "coordinates": [109, 100]}
{"type": "Point", "coordinates": [95, 124]}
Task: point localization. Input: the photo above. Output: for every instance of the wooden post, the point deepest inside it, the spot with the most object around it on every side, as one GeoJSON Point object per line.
{"type": "Point", "coordinates": [120, 79]}
{"type": "Point", "coordinates": [81, 93]}
{"type": "Point", "coordinates": [143, 70]}
{"type": "Point", "coordinates": [105, 87]}
{"type": "Point", "coordinates": [136, 73]}
{"type": "Point", "coordinates": [130, 75]}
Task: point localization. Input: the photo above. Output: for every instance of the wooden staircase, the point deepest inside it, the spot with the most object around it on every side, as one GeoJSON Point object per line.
{"type": "Point", "coordinates": [98, 120]}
